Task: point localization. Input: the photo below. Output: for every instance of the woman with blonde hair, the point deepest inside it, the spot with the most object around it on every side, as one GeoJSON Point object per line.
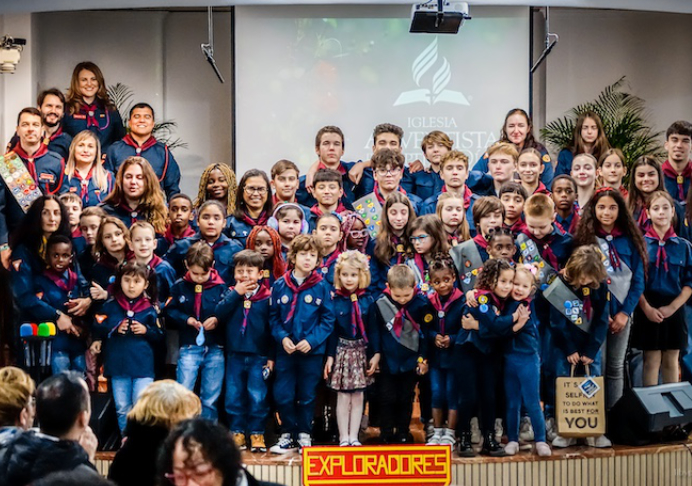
{"type": "Point", "coordinates": [85, 175]}
{"type": "Point", "coordinates": [161, 406]}
{"type": "Point", "coordinates": [17, 408]}
{"type": "Point", "coordinates": [137, 195]}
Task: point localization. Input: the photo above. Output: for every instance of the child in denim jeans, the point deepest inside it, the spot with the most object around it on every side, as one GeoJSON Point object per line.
{"type": "Point", "coordinates": [191, 309]}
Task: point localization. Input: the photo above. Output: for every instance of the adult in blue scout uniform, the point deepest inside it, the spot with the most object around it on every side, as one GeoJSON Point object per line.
{"type": "Point", "coordinates": [85, 175]}
{"type": "Point", "coordinates": [191, 309]}
{"type": "Point", "coordinates": [677, 169]}
{"type": "Point", "coordinates": [90, 107]}
{"type": "Point", "coordinates": [302, 318]}
{"type": "Point", "coordinates": [141, 141]}
{"type": "Point", "coordinates": [518, 129]}
{"type": "Point", "coordinates": [607, 223]}
{"type": "Point", "coordinates": [210, 219]}
{"type": "Point", "coordinates": [589, 138]}
{"type": "Point", "coordinates": [329, 147]}
{"type": "Point", "coordinates": [51, 104]}
{"type": "Point", "coordinates": [253, 205]}
{"type": "Point", "coordinates": [428, 182]}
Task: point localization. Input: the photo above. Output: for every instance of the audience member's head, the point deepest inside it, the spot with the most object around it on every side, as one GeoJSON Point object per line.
{"type": "Point", "coordinates": [17, 407]}
{"type": "Point", "coordinates": [63, 408]}
{"type": "Point", "coordinates": [77, 477]}
{"type": "Point", "coordinates": [165, 403]}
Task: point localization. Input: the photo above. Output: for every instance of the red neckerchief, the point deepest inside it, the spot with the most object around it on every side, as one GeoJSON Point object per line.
{"type": "Point", "coordinates": [332, 258]}
{"type": "Point", "coordinates": [661, 255]}
{"type": "Point", "coordinates": [686, 173]}
{"type": "Point", "coordinates": [58, 278]}
{"type": "Point", "coordinates": [356, 316]}
{"type": "Point", "coordinates": [614, 257]}
{"type": "Point", "coordinates": [494, 299]}
{"type": "Point", "coordinates": [467, 195]}
{"type": "Point", "coordinates": [625, 193]}
{"type": "Point", "coordinates": [261, 219]}
{"type": "Point", "coordinates": [76, 233]}
{"type": "Point", "coordinates": [84, 184]}
{"type": "Point", "coordinates": [151, 141]}
{"type": "Point", "coordinates": [541, 189]}
{"type": "Point", "coordinates": [443, 308]}
{"type": "Point", "coordinates": [480, 240]}
{"type": "Point", "coordinates": [517, 227]}
{"type": "Point", "coordinates": [378, 194]}
{"type": "Point", "coordinates": [90, 112]}
{"type": "Point", "coordinates": [398, 243]}
{"type": "Point", "coordinates": [318, 212]}
{"type": "Point", "coordinates": [29, 160]}
{"type": "Point", "coordinates": [340, 168]}
{"type": "Point", "coordinates": [401, 312]}
{"type": "Point", "coordinates": [48, 139]}
{"type": "Point", "coordinates": [133, 212]}
{"type": "Point", "coordinates": [544, 247]}
{"type": "Point", "coordinates": [261, 294]}
{"type": "Point", "coordinates": [313, 279]}
{"type": "Point", "coordinates": [214, 279]}
{"type": "Point", "coordinates": [171, 238]}
{"type": "Point", "coordinates": [453, 238]}
{"type": "Point", "coordinates": [154, 262]}
{"type": "Point", "coordinates": [422, 266]}
{"type": "Point", "coordinates": [140, 304]}
{"type": "Point", "coordinates": [642, 219]}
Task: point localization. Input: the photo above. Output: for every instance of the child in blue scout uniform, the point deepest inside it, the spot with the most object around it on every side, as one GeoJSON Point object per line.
{"type": "Point", "coordinates": [253, 205]}
{"type": "Point", "coordinates": [522, 373]}
{"type": "Point", "coordinates": [398, 317]}
{"type": "Point", "coordinates": [88, 106]}
{"type": "Point", "coordinates": [191, 309]}
{"type": "Point", "coordinates": [564, 195]}
{"type": "Point", "coordinates": [513, 196]}
{"type": "Point", "coordinates": [391, 242]}
{"type": "Point", "coordinates": [180, 219]}
{"type": "Point", "coordinates": [328, 193]}
{"type": "Point", "coordinates": [141, 142]}
{"type": "Point", "coordinates": [578, 300]}
{"type": "Point", "coordinates": [250, 352]}
{"type": "Point", "coordinates": [302, 318]}
{"type": "Point", "coordinates": [450, 210]}
{"type": "Point", "coordinates": [143, 239]}
{"type": "Point", "coordinates": [74, 210]}
{"type": "Point", "coordinates": [350, 365]}
{"type": "Point", "coordinates": [267, 242]}
{"type": "Point", "coordinates": [60, 287]}
{"type": "Point", "coordinates": [589, 138]}
{"type": "Point", "coordinates": [476, 353]}
{"type": "Point", "coordinates": [89, 223]}
{"type": "Point", "coordinates": [85, 175]}
{"type": "Point", "coordinates": [129, 327]}
{"type": "Point", "coordinates": [210, 219]}
{"type": "Point", "coordinates": [502, 165]}
{"type": "Point", "coordinates": [607, 223]}
{"type": "Point", "coordinates": [529, 167]}
{"type": "Point", "coordinates": [427, 239]}
{"type": "Point", "coordinates": [427, 183]}
{"type": "Point", "coordinates": [677, 169]}
{"type": "Point", "coordinates": [447, 302]}
{"type": "Point", "coordinates": [328, 230]}
{"type": "Point", "coordinates": [660, 327]}
{"type": "Point", "coordinates": [388, 169]}
{"type": "Point", "coordinates": [111, 250]}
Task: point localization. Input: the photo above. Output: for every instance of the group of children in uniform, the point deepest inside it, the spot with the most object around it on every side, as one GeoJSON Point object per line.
{"type": "Point", "coordinates": [477, 285]}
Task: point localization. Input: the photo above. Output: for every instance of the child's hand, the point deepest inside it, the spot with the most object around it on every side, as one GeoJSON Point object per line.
{"type": "Point", "coordinates": [438, 341]}
{"type": "Point", "coordinates": [469, 323]}
{"type": "Point", "coordinates": [415, 166]}
{"type": "Point", "coordinates": [573, 359]}
{"type": "Point", "coordinates": [328, 367]}
{"type": "Point", "coordinates": [521, 315]}
{"type": "Point", "coordinates": [446, 341]}
{"type": "Point", "coordinates": [422, 368]}
{"type": "Point", "coordinates": [138, 328]}
{"type": "Point", "coordinates": [97, 292]}
{"type": "Point", "coordinates": [618, 322]}
{"type": "Point", "coordinates": [373, 364]}
{"type": "Point", "coordinates": [191, 321]}
{"type": "Point", "coordinates": [64, 323]}
{"type": "Point", "coordinates": [95, 347]}
{"type": "Point", "coordinates": [653, 314]}
{"type": "Point", "coordinates": [310, 175]}
{"type": "Point", "coordinates": [78, 307]}
{"type": "Point", "coordinates": [288, 345]}
{"type": "Point", "coordinates": [210, 324]}
{"type": "Point", "coordinates": [303, 346]}
{"type": "Point", "coordinates": [123, 326]}
{"type": "Point", "coordinates": [246, 287]}
{"type": "Point", "coordinates": [586, 360]}
{"type": "Point", "coordinates": [471, 298]}
{"type": "Point", "coordinates": [667, 311]}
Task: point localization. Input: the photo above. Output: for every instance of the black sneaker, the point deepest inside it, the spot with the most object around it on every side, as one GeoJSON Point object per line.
{"type": "Point", "coordinates": [465, 445]}
{"type": "Point", "coordinates": [491, 447]}
{"type": "Point", "coordinates": [285, 445]}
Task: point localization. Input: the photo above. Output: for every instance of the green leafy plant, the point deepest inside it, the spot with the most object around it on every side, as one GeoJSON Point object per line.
{"type": "Point", "coordinates": [625, 124]}
{"type": "Point", "coordinates": [164, 131]}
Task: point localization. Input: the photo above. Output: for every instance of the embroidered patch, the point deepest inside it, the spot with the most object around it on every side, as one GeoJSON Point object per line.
{"type": "Point", "coordinates": [168, 301]}
{"type": "Point", "coordinates": [266, 274]}
{"type": "Point", "coordinates": [546, 158]}
{"type": "Point", "coordinates": [46, 177]}
{"type": "Point", "coordinates": [318, 301]}
{"type": "Point", "coordinates": [483, 299]}
{"type": "Point", "coordinates": [308, 299]}
{"type": "Point", "coordinates": [284, 299]}
{"type": "Point", "coordinates": [428, 318]}
{"type": "Point", "coordinates": [73, 189]}
{"type": "Point", "coordinates": [100, 318]}
{"type": "Point", "coordinates": [483, 308]}
{"type": "Point", "coordinates": [39, 295]}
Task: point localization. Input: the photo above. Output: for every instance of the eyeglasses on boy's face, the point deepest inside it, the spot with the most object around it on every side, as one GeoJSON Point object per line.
{"type": "Point", "coordinates": [416, 239]}
{"type": "Point", "coordinates": [258, 190]}
{"type": "Point", "coordinates": [393, 171]}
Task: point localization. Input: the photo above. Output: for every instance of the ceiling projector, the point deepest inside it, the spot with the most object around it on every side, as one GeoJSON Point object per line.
{"type": "Point", "coordinates": [10, 53]}
{"type": "Point", "coordinates": [438, 17]}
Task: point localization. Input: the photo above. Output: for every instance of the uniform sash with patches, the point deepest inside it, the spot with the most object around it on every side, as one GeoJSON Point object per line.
{"type": "Point", "coordinates": [530, 254]}
{"type": "Point", "coordinates": [568, 304]}
{"type": "Point", "coordinates": [19, 181]}
{"type": "Point", "coordinates": [409, 337]}
{"type": "Point", "coordinates": [619, 279]}
{"type": "Point", "coordinates": [468, 261]}
{"type": "Point", "coordinates": [370, 209]}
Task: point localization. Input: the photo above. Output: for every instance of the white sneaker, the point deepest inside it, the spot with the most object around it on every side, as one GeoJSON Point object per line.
{"type": "Point", "coordinates": [600, 442]}
{"type": "Point", "coordinates": [550, 429]}
{"type": "Point", "coordinates": [543, 449]}
{"type": "Point", "coordinates": [512, 448]}
{"type": "Point", "coordinates": [436, 437]}
{"type": "Point", "coordinates": [285, 445]}
{"type": "Point", "coordinates": [304, 440]}
{"type": "Point", "coordinates": [475, 431]}
{"type": "Point", "coordinates": [499, 432]}
{"type": "Point", "coordinates": [562, 442]}
{"type": "Point", "coordinates": [448, 437]}
{"type": "Point", "coordinates": [526, 430]}
{"type": "Point", "coordinates": [429, 431]}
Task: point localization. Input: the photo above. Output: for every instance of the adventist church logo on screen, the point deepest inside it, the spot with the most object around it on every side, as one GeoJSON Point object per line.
{"type": "Point", "coordinates": [440, 79]}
